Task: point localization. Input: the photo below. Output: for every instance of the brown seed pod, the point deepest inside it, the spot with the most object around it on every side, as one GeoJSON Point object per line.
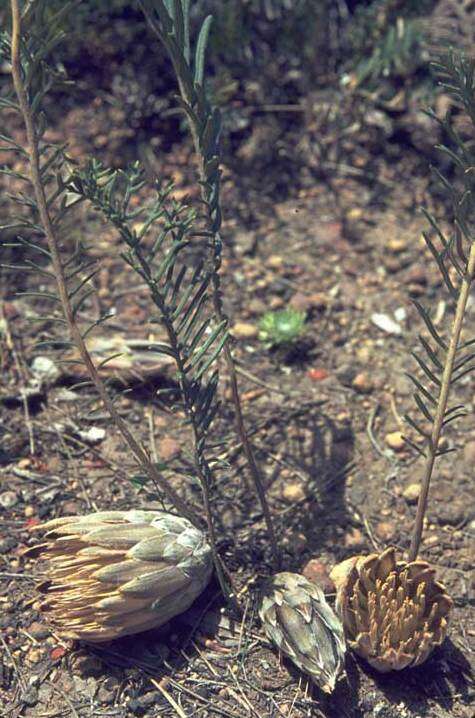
{"type": "Point", "coordinates": [394, 613]}
{"type": "Point", "coordinates": [115, 573]}
{"type": "Point", "coordinates": [299, 621]}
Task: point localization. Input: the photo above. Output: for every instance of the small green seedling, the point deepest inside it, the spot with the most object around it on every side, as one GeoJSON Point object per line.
{"type": "Point", "coordinates": [283, 328]}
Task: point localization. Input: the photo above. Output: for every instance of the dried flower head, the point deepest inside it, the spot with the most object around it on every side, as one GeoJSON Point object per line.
{"type": "Point", "coordinates": [297, 618]}
{"type": "Point", "coordinates": [394, 612]}
{"type": "Point", "coordinates": [114, 573]}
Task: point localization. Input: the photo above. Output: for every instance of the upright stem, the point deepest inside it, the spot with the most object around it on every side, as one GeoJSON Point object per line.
{"type": "Point", "coordinates": [221, 316]}
{"type": "Point", "coordinates": [442, 402]}
{"type": "Point", "coordinates": [34, 160]}
{"type": "Point", "coordinates": [202, 466]}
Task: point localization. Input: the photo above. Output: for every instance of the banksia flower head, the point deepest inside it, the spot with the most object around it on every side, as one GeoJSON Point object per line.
{"type": "Point", "coordinates": [297, 618]}
{"type": "Point", "coordinates": [394, 612]}
{"type": "Point", "coordinates": [114, 573]}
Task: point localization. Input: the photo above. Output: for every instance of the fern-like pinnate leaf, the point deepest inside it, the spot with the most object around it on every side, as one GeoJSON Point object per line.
{"type": "Point", "coordinates": [163, 258]}
{"type": "Point", "coordinates": [170, 24]}
{"type": "Point", "coordinates": [44, 207]}
{"type": "Point", "coordinates": [443, 362]}
{"type": "Point", "coordinates": [171, 260]}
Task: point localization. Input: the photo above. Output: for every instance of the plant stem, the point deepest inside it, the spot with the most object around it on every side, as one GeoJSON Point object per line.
{"type": "Point", "coordinates": [221, 316]}
{"type": "Point", "coordinates": [185, 84]}
{"type": "Point", "coordinates": [200, 461]}
{"type": "Point", "coordinates": [442, 402]}
{"type": "Point", "coordinates": [137, 450]}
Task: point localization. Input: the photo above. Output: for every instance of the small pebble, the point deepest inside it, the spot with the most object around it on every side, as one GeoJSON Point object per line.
{"type": "Point", "coordinates": [34, 655]}
{"type": "Point", "coordinates": [93, 435]}
{"type": "Point", "coordinates": [30, 697]}
{"type": "Point", "coordinates": [450, 514]}
{"type": "Point", "coordinates": [386, 324]}
{"type": "Point", "coordinates": [243, 330]}
{"type": "Point", "coordinates": [395, 441]}
{"type": "Point", "coordinates": [257, 306]}
{"type": "Point", "coordinates": [275, 261]}
{"type": "Point", "coordinates": [417, 275]}
{"type": "Point", "coordinates": [293, 493]}
{"type": "Point", "coordinates": [400, 314]}
{"type": "Point", "coordinates": [354, 539]}
{"type": "Point", "coordinates": [362, 383]}
{"type": "Point", "coordinates": [384, 530]}
{"type": "Point", "coordinates": [8, 499]}
{"type": "Point", "coordinates": [317, 374]}
{"type": "Point", "coordinates": [7, 543]}
{"type": "Point", "coordinates": [276, 303]}
{"type": "Point", "coordinates": [304, 302]}
{"type": "Point", "coordinates": [411, 493]}
{"type": "Point", "coordinates": [397, 245]}
{"type": "Point", "coordinates": [38, 630]}
{"type": "Point", "coordinates": [168, 447]}
{"type": "Point", "coordinates": [316, 572]}
{"type": "Point", "coordinates": [295, 543]}
{"type": "Point", "coordinates": [105, 696]}
{"type": "Point", "coordinates": [469, 454]}
{"type": "Point", "coordinates": [87, 665]}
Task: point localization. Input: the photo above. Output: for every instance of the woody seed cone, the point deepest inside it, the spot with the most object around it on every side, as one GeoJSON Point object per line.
{"type": "Point", "coordinates": [115, 573]}
{"type": "Point", "coordinates": [394, 613]}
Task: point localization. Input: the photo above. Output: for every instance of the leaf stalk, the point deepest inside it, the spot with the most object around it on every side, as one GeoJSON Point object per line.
{"type": "Point", "coordinates": [442, 403]}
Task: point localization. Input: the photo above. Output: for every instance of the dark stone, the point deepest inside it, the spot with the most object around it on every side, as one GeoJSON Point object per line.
{"type": "Point", "coordinates": [345, 374]}
{"type": "Point", "coordinates": [105, 695]}
{"type": "Point", "coordinates": [30, 697]}
{"type": "Point", "coordinates": [7, 544]}
{"type": "Point", "coordinates": [203, 691]}
{"type": "Point", "coordinates": [450, 514]}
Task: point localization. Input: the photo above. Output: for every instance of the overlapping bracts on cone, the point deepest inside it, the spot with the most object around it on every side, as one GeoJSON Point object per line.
{"type": "Point", "coordinates": [115, 573]}
{"type": "Point", "coordinates": [299, 621]}
{"type": "Point", "coordinates": [394, 613]}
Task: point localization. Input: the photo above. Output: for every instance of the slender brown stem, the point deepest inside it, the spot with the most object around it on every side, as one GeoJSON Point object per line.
{"type": "Point", "coordinates": [137, 450]}
{"type": "Point", "coordinates": [442, 402]}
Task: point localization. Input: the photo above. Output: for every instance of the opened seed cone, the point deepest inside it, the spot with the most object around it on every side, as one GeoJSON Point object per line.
{"type": "Point", "coordinates": [115, 573]}
{"type": "Point", "coordinates": [394, 613]}
{"type": "Point", "coordinates": [297, 618]}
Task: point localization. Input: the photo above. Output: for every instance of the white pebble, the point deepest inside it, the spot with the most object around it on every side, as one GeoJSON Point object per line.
{"type": "Point", "coordinates": [384, 322]}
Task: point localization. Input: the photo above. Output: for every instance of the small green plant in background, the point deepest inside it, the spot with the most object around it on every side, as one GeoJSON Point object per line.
{"type": "Point", "coordinates": [282, 329]}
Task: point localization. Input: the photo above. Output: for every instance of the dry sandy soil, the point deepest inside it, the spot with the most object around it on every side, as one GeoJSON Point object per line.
{"type": "Point", "coordinates": [323, 419]}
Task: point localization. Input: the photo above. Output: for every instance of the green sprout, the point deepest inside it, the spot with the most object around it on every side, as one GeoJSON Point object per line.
{"type": "Point", "coordinates": [281, 328]}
